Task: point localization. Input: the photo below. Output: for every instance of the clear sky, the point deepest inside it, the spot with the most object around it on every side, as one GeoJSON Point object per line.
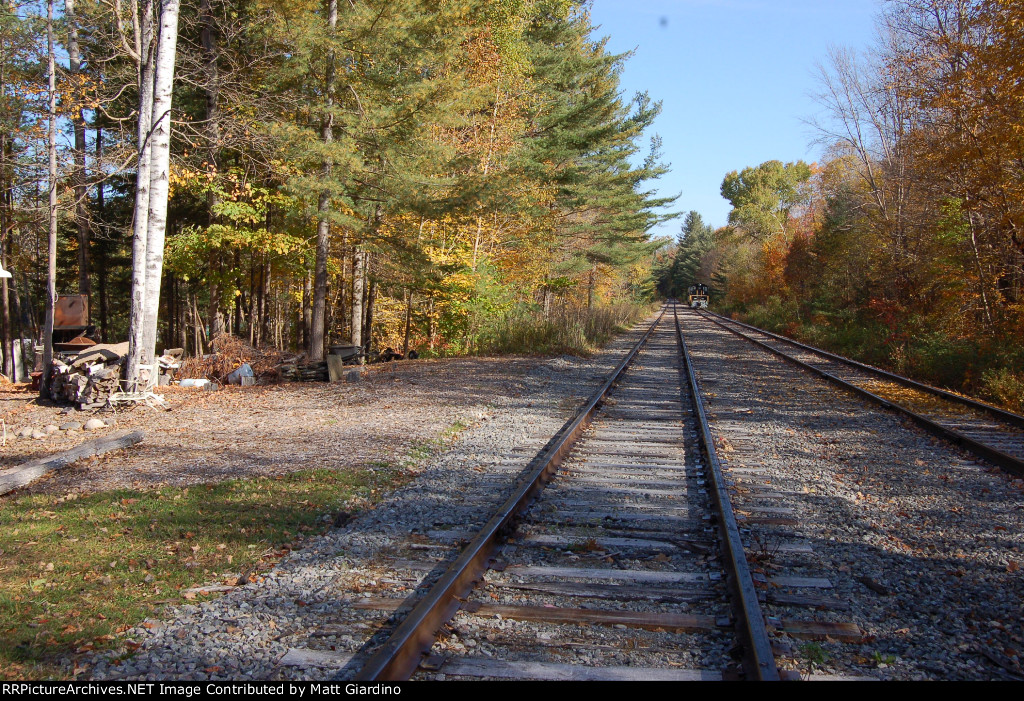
{"type": "Point", "coordinates": [735, 78]}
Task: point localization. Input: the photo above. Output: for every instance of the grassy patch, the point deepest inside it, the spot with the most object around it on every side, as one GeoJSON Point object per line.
{"type": "Point", "coordinates": [75, 572]}
{"type": "Point", "coordinates": [573, 331]}
{"type": "Point", "coordinates": [422, 451]}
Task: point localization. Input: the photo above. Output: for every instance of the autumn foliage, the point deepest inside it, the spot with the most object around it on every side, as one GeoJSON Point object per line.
{"type": "Point", "coordinates": [905, 246]}
{"type": "Point", "coordinates": [394, 173]}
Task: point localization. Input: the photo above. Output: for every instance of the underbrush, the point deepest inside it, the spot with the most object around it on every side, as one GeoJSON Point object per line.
{"type": "Point", "coordinates": [563, 331]}
{"type": "Point", "coordinates": [986, 369]}
{"type": "Point", "coordinates": [1005, 387]}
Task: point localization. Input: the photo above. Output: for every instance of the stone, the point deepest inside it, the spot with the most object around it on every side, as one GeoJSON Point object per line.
{"type": "Point", "coordinates": [93, 424]}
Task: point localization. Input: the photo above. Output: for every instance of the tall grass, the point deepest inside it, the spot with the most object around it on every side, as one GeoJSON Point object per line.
{"type": "Point", "coordinates": [566, 330]}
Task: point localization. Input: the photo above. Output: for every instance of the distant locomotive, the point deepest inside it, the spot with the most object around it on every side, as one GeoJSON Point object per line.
{"type": "Point", "coordinates": [698, 296]}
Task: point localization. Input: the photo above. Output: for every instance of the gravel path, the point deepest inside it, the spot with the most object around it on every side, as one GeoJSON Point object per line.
{"type": "Point", "coordinates": [922, 544]}
{"type": "Point", "coordinates": [320, 605]}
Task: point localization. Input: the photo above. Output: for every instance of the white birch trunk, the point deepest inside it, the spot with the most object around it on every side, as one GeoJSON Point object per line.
{"type": "Point", "coordinates": [156, 80]}
{"type": "Point", "coordinates": [51, 147]}
{"type": "Point", "coordinates": [159, 171]}
{"type": "Point", "coordinates": [141, 221]}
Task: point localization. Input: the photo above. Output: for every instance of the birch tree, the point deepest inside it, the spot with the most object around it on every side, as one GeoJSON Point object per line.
{"type": "Point", "coordinates": [159, 38]}
{"type": "Point", "coordinates": [51, 149]}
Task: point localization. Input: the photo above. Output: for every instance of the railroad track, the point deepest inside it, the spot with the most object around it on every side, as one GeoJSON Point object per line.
{"type": "Point", "coordinates": [617, 557]}
{"type": "Point", "coordinates": [989, 432]}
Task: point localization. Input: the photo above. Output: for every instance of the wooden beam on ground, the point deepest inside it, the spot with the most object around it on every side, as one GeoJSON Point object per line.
{"type": "Point", "coordinates": [548, 671]}
{"type": "Point", "coordinates": [672, 622]}
{"type": "Point", "coordinates": [22, 475]}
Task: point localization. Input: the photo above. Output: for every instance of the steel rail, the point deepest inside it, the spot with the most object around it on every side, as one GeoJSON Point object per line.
{"type": "Point", "coordinates": [996, 457]}
{"type": "Point", "coordinates": [759, 660]}
{"type": "Point", "coordinates": [1008, 416]}
{"type": "Point", "coordinates": [398, 658]}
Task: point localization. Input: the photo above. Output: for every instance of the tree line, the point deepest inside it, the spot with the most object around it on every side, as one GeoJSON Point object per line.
{"type": "Point", "coordinates": [406, 173]}
{"type": "Point", "coordinates": [905, 245]}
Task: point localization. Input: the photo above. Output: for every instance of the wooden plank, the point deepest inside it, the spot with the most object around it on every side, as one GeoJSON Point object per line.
{"type": "Point", "coordinates": [551, 500]}
{"type": "Point", "coordinates": [803, 548]}
{"type": "Point", "coordinates": [677, 474]}
{"type": "Point", "coordinates": [335, 368]}
{"type": "Point", "coordinates": [754, 509]}
{"type": "Point", "coordinates": [378, 603]}
{"type": "Point", "coordinates": [677, 441]}
{"type": "Point", "coordinates": [208, 589]}
{"type": "Point", "coordinates": [770, 521]}
{"type": "Point", "coordinates": [619, 465]}
{"type": "Point", "coordinates": [613, 543]}
{"type": "Point", "coordinates": [652, 492]}
{"type": "Point", "coordinates": [606, 574]}
{"type": "Point", "coordinates": [296, 657]}
{"type": "Point", "coordinates": [587, 453]}
{"type": "Point", "coordinates": [609, 518]}
{"type": "Point", "coordinates": [819, 602]}
{"type": "Point", "coordinates": [418, 565]}
{"type": "Point", "coordinates": [838, 678]}
{"type": "Point", "coordinates": [549, 671]}
{"type": "Point", "coordinates": [26, 473]}
{"type": "Point", "coordinates": [802, 582]}
{"type": "Point", "coordinates": [617, 592]}
{"type": "Point", "coordinates": [819, 630]}
{"type": "Point", "coordinates": [636, 483]}
{"type": "Point", "coordinates": [647, 620]}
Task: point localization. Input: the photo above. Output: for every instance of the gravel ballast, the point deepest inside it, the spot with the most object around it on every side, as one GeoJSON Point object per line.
{"type": "Point", "coordinates": [320, 599]}
{"type": "Point", "coordinates": [921, 541]}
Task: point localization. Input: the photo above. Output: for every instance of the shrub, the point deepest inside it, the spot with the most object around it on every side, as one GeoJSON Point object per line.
{"type": "Point", "coordinates": [565, 330]}
{"type": "Point", "coordinates": [1004, 387]}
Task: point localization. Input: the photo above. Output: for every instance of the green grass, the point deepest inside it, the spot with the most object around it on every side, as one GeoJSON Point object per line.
{"type": "Point", "coordinates": [76, 572]}
{"type": "Point", "coordinates": [814, 655]}
{"type": "Point", "coordinates": [566, 331]}
{"type": "Point", "coordinates": [421, 451]}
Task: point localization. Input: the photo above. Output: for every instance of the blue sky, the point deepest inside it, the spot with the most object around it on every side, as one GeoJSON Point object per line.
{"type": "Point", "coordinates": [735, 78]}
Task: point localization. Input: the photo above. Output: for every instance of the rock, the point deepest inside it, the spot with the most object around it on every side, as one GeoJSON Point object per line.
{"type": "Point", "coordinates": [93, 424]}
{"type": "Point", "coordinates": [50, 428]}
{"type": "Point", "coordinates": [72, 426]}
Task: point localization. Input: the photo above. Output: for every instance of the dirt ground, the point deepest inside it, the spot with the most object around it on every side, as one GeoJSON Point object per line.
{"type": "Point", "coordinates": [264, 430]}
